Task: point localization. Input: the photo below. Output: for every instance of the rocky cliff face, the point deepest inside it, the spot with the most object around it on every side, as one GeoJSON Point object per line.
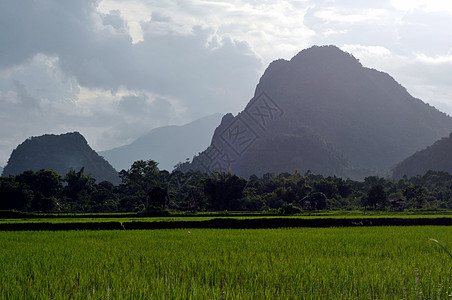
{"type": "Point", "coordinates": [437, 157]}
{"type": "Point", "coordinates": [59, 153]}
{"type": "Point", "coordinates": [323, 111]}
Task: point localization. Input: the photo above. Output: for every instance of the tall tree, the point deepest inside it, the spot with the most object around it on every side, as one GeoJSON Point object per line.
{"type": "Point", "coordinates": [376, 196]}
{"type": "Point", "coordinates": [46, 186]}
{"type": "Point", "coordinates": [14, 195]}
{"type": "Point", "coordinates": [139, 180]}
{"type": "Point", "coordinates": [224, 191]}
{"type": "Point", "coordinates": [415, 195]}
{"type": "Point", "coordinates": [79, 189]}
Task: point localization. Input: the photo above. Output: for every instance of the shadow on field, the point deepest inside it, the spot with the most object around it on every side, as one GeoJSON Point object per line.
{"type": "Point", "coordinates": [228, 223]}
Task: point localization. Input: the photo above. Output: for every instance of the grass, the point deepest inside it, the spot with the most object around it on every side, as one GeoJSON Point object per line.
{"type": "Point", "coordinates": [441, 245]}
{"type": "Point", "coordinates": [302, 263]}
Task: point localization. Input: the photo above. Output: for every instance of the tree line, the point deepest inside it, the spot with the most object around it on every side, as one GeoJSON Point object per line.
{"type": "Point", "coordinates": [144, 187]}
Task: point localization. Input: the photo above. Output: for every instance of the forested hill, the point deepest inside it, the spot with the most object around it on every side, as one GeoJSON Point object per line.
{"type": "Point", "coordinates": [361, 120]}
{"type": "Point", "coordinates": [1, 170]}
{"type": "Point", "coordinates": [59, 153]}
{"type": "Point", "coordinates": [437, 157]}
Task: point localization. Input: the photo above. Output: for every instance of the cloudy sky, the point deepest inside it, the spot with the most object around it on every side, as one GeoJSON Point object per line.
{"type": "Point", "coordinates": [115, 69]}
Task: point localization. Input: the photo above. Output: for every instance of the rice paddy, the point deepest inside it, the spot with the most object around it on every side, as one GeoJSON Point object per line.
{"type": "Point", "coordinates": [299, 263]}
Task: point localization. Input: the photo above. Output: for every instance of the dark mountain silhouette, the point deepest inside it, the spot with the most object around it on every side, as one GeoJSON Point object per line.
{"type": "Point", "coordinates": [303, 147]}
{"type": "Point", "coordinates": [59, 153]}
{"type": "Point", "coordinates": [361, 115]}
{"type": "Point", "coordinates": [437, 157]}
{"type": "Point", "coordinates": [166, 145]}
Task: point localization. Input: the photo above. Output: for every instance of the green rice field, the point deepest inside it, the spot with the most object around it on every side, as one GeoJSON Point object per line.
{"type": "Point", "coordinates": [302, 263]}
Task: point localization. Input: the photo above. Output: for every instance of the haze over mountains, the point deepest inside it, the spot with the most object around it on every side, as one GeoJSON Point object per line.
{"type": "Point", "coordinates": [323, 111]}
{"type": "Point", "coordinates": [166, 145]}
{"type": "Point", "coordinates": [59, 153]}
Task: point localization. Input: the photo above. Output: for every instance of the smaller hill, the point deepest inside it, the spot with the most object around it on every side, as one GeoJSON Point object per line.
{"type": "Point", "coordinates": [166, 145]}
{"type": "Point", "coordinates": [437, 157]}
{"type": "Point", "coordinates": [59, 153]}
{"type": "Point", "coordinates": [1, 170]}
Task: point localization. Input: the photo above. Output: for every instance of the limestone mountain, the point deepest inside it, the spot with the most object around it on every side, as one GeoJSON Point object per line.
{"type": "Point", "coordinates": [166, 145]}
{"type": "Point", "coordinates": [364, 121]}
{"type": "Point", "coordinates": [437, 157]}
{"type": "Point", "coordinates": [59, 153]}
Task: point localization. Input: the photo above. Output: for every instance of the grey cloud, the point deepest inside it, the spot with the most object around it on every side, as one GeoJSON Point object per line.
{"type": "Point", "coordinates": [350, 5]}
{"type": "Point", "coordinates": [142, 107]}
{"type": "Point", "coordinates": [181, 66]}
{"type": "Point", "coordinates": [159, 17]}
{"type": "Point", "coordinates": [42, 79]}
{"type": "Point", "coordinates": [133, 104]}
{"type": "Point", "coordinates": [31, 27]}
{"type": "Point", "coordinates": [24, 97]}
{"type": "Point", "coordinates": [427, 32]}
{"type": "Point", "coordinates": [161, 109]}
{"type": "Point", "coordinates": [403, 32]}
{"type": "Point", "coordinates": [103, 57]}
{"type": "Point", "coordinates": [115, 20]}
{"type": "Point", "coordinates": [377, 26]}
{"type": "Point", "coordinates": [70, 30]}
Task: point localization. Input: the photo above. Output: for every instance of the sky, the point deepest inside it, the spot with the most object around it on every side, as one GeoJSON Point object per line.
{"type": "Point", "coordinates": [115, 69]}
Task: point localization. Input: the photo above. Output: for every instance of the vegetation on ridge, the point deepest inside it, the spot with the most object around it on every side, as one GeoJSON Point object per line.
{"type": "Point", "coordinates": [145, 187]}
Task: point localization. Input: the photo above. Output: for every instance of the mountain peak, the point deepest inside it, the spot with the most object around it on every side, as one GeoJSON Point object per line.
{"type": "Point", "coordinates": [59, 153]}
{"type": "Point", "coordinates": [325, 55]}
{"type": "Point", "coordinates": [362, 119]}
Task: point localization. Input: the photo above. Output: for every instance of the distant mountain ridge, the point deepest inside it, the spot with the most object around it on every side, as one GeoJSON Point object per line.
{"type": "Point", "coordinates": [367, 122]}
{"type": "Point", "coordinates": [59, 153]}
{"type": "Point", "coordinates": [166, 145]}
{"type": "Point", "coordinates": [437, 157]}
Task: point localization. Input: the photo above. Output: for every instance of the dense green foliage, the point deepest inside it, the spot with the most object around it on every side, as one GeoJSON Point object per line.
{"type": "Point", "coordinates": [144, 187]}
{"type": "Point", "coordinates": [307, 263]}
